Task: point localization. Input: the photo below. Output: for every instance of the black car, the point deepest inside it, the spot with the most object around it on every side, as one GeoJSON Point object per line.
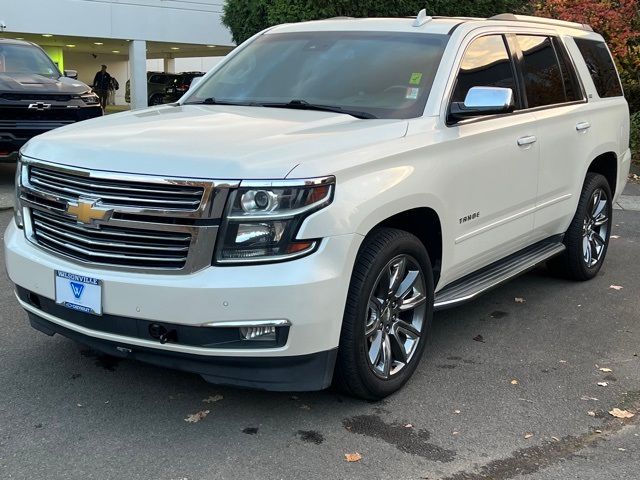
{"type": "Point", "coordinates": [157, 82]}
{"type": "Point", "coordinates": [180, 85]}
{"type": "Point", "coordinates": [35, 97]}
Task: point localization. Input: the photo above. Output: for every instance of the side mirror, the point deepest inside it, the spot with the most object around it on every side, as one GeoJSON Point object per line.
{"type": "Point", "coordinates": [483, 101]}
{"type": "Point", "coordinates": [194, 81]}
{"type": "Point", "coordinates": [71, 74]}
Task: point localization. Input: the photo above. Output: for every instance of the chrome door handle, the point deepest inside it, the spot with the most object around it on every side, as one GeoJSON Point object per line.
{"type": "Point", "coordinates": [583, 126]}
{"type": "Point", "coordinates": [526, 141]}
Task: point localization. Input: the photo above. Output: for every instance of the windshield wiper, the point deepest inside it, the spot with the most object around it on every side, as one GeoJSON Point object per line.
{"type": "Point", "coordinates": [213, 101]}
{"type": "Point", "coordinates": [304, 105]}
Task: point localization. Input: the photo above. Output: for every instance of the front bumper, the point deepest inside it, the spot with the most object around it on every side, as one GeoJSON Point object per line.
{"type": "Point", "coordinates": [309, 292]}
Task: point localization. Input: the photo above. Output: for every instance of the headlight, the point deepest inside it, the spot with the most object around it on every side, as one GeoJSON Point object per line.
{"type": "Point", "coordinates": [17, 208]}
{"type": "Point", "coordinates": [263, 218]}
{"type": "Point", "coordinates": [90, 98]}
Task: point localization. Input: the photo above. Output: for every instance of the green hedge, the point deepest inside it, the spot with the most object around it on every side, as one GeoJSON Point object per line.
{"type": "Point", "coordinates": [247, 17]}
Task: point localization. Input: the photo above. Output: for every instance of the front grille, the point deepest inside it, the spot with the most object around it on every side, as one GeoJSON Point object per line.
{"type": "Point", "coordinates": [117, 193]}
{"type": "Point", "coordinates": [53, 114]}
{"type": "Point", "coordinates": [110, 245]}
{"type": "Point", "coordinates": [132, 222]}
{"type": "Point", "coordinates": [19, 97]}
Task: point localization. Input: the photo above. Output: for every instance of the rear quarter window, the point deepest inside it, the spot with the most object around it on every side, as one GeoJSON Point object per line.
{"type": "Point", "coordinates": [601, 67]}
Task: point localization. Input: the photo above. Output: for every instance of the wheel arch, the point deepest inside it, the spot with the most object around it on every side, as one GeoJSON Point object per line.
{"type": "Point", "coordinates": [424, 223]}
{"type": "Point", "coordinates": [606, 164]}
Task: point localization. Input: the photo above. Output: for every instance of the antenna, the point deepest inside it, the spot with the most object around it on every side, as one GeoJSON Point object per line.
{"type": "Point", "coordinates": [422, 18]}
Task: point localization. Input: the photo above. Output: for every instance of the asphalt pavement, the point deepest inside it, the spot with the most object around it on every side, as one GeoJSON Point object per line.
{"type": "Point", "coordinates": [508, 389]}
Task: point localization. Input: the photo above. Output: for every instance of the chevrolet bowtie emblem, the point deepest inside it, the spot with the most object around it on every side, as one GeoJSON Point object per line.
{"type": "Point", "coordinates": [86, 211]}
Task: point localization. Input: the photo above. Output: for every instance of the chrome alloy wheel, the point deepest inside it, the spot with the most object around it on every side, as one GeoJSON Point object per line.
{"type": "Point", "coordinates": [395, 316]}
{"type": "Point", "coordinates": [595, 228]}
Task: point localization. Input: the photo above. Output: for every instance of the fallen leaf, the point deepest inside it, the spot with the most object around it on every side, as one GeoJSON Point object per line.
{"type": "Point", "coordinates": [598, 431]}
{"type": "Point", "coordinates": [603, 384]}
{"type": "Point", "coordinates": [616, 287]}
{"type": "Point", "coordinates": [456, 433]}
{"type": "Point", "coordinates": [352, 457]}
{"type": "Point", "coordinates": [616, 412]}
{"type": "Point", "coordinates": [79, 405]}
{"type": "Point", "coordinates": [408, 425]}
{"type": "Point", "coordinates": [514, 382]}
{"type": "Point", "coordinates": [196, 417]}
{"type": "Point", "coordinates": [614, 236]}
{"type": "Point", "coordinates": [591, 413]}
{"type": "Point", "coordinates": [528, 435]}
{"type": "Point", "coordinates": [563, 361]}
{"type": "Point", "coordinates": [457, 412]}
{"type": "Point", "coordinates": [213, 399]}
{"type": "Point", "coordinates": [622, 449]}
{"type": "Point", "coordinates": [555, 439]}
{"type": "Point", "coordinates": [479, 338]}
{"type": "Point", "coordinates": [520, 300]}
{"type": "Point", "coordinates": [605, 369]}
{"type": "Point", "coordinates": [589, 398]}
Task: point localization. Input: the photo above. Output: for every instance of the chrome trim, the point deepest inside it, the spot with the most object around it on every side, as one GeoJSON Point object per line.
{"type": "Point", "coordinates": [269, 259]}
{"type": "Point", "coordinates": [253, 323]}
{"type": "Point", "coordinates": [37, 197]}
{"type": "Point", "coordinates": [292, 182]}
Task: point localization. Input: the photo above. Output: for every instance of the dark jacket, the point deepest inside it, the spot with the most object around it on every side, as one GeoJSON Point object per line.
{"type": "Point", "coordinates": [102, 81]}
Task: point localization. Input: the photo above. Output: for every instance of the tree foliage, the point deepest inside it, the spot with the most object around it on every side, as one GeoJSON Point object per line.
{"type": "Point", "coordinates": [618, 21]}
{"type": "Point", "coordinates": [247, 17]}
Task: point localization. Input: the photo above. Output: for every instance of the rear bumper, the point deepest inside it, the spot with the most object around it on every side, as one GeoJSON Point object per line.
{"type": "Point", "coordinates": [296, 373]}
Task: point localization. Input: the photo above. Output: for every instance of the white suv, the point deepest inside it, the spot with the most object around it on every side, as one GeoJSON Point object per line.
{"type": "Point", "coordinates": [298, 216]}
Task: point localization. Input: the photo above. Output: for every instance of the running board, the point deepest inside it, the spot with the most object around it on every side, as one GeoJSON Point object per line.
{"type": "Point", "coordinates": [473, 285]}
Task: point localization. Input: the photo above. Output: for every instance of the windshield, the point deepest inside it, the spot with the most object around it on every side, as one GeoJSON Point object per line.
{"type": "Point", "coordinates": [381, 74]}
{"type": "Point", "coordinates": [26, 59]}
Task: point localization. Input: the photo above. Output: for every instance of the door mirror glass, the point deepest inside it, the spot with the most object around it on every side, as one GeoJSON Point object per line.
{"type": "Point", "coordinates": [71, 74]}
{"type": "Point", "coordinates": [483, 101]}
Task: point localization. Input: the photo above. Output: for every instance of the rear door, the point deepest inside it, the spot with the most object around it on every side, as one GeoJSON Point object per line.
{"type": "Point", "coordinates": [554, 94]}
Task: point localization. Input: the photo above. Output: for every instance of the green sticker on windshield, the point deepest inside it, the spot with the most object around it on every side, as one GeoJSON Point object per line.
{"type": "Point", "coordinates": [415, 79]}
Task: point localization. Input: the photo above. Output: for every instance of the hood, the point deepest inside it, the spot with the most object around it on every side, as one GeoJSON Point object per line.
{"type": "Point", "coordinates": [211, 141]}
{"type": "Point", "coordinates": [33, 83]}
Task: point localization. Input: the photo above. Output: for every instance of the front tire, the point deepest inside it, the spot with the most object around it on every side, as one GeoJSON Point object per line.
{"type": "Point", "coordinates": [587, 238]}
{"type": "Point", "coordinates": [387, 316]}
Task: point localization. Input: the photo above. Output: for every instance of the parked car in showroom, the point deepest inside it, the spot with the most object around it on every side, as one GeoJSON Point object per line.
{"type": "Point", "coordinates": [299, 215]}
{"type": "Point", "coordinates": [181, 84]}
{"type": "Point", "coordinates": [36, 97]}
{"type": "Point", "coordinates": [157, 83]}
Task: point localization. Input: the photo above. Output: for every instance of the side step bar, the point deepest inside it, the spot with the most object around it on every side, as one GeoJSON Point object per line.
{"type": "Point", "coordinates": [473, 285]}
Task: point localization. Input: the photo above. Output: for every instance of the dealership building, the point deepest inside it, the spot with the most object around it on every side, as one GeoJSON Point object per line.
{"type": "Point", "coordinates": [129, 36]}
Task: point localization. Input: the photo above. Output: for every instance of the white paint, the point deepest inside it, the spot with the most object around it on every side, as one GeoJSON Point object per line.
{"type": "Point", "coordinates": [195, 64]}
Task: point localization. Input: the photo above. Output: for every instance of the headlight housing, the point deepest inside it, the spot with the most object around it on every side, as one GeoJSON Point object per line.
{"type": "Point", "coordinates": [262, 220]}
{"type": "Point", "coordinates": [90, 98]}
{"type": "Point", "coordinates": [17, 207]}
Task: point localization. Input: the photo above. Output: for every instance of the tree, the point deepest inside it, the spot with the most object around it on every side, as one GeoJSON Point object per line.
{"type": "Point", "coordinates": [247, 17]}
{"type": "Point", "coordinates": [618, 21]}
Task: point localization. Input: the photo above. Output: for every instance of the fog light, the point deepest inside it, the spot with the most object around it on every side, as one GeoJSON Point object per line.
{"type": "Point", "coordinates": [258, 333]}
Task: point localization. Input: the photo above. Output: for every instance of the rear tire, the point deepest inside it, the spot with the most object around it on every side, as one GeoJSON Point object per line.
{"type": "Point", "coordinates": [155, 100]}
{"type": "Point", "coordinates": [387, 316]}
{"type": "Point", "coordinates": [587, 238]}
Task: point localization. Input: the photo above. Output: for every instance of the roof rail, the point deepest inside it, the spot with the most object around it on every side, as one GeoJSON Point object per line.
{"type": "Point", "coordinates": [547, 21]}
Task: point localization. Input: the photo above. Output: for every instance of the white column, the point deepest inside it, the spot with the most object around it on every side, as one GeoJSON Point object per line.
{"type": "Point", "coordinates": [170, 65]}
{"type": "Point", "coordinates": [138, 64]}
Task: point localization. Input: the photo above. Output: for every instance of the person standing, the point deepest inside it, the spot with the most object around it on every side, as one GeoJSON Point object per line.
{"type": "Point", "coordinates": [101, 84]}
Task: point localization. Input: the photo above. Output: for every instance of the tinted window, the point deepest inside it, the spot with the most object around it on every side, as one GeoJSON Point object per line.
{"type": "Point", "coordinates": [16, 59]}
{"type": "Point", "coordinates": [486, 63]}
{"type": "Point", "coordinates": [601, 67]}
{"type": "Point", "coordinates": [541, 71]}
{"type": "Point", "coordinates": [572, 88]}
{"type": "Point", "coordinates": [386, 74]}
